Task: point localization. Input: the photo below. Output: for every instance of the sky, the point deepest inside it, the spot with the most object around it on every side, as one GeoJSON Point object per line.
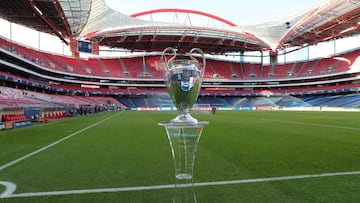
{"type": "Point", "coordinates": [240, 12]}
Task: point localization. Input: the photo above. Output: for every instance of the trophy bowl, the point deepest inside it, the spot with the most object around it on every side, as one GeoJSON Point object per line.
{"type": "Point", "coordinates": [183, 80]}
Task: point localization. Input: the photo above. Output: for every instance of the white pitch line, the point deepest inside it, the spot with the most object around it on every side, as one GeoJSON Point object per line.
{"type": "Point", "coordinates": [156, 187]}
{"type": "Point", "coordinates": [53, 144]}
{"type": "Point", "coordinates": [9, 188]}
{"type": "Point", "coordinates": [277, 178]}
{"type": "Point", "coordinates": [313, 124]}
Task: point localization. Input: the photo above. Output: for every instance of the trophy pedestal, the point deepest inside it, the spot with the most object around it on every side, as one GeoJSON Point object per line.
{"type": "Point", "coordinates": [184, 139]}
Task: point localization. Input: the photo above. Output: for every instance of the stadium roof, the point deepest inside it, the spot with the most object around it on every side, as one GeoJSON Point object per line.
{"type": "Point", "coordinates": [95, 21]}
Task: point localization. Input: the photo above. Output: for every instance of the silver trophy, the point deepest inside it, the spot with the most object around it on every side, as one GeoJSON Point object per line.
{"type": "Point", "coordinates": [183, 79]}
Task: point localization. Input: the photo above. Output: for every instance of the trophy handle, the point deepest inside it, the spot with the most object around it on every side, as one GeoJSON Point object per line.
{"type": "Point", "coordinates": [163, 58]}
{"type": "Point", "coordinates": [202, 69]}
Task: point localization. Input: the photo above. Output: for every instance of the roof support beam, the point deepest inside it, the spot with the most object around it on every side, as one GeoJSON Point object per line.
{"type": "Point", "coordinates": [63, 17]}
{"type": "Point", "coordinates": [46, 21]}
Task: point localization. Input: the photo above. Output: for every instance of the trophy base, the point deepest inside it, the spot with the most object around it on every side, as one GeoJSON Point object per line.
{"type": "Point", "coordinates": [185, 118]}
{"type": "Point", "coordinates": [171, 124]}
{"type": "Point", "coordinates": [184, 138]}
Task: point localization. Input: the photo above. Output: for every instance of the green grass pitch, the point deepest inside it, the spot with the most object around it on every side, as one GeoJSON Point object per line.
{"type": "Point", "coordinates": [129, 149]}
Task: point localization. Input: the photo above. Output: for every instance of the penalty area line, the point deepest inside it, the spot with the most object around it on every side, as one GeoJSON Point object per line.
{"type": "Point", "coordinates": [54, 143]}
{"type": "Point", "coordinates": [156, 187]}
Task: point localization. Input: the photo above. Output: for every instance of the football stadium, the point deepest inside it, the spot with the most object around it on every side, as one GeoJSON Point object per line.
{"type": "Point", "coordinates": [83, 89]}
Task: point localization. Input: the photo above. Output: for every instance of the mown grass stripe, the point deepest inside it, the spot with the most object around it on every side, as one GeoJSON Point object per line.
{"type": "Point", "coordinates": [53, 144]}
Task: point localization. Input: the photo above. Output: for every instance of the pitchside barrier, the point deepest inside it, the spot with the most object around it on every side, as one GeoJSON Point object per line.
{"type": "Point", "coordinates": [2, 125]}
{"type": "Point", "coordinates": [22, 123]}
{"type": "Point", "coordinates": [7, 125]}
{"type": "Point", "coordinates": [256, 108]}
{"type": "Point", "coordinates": [14, 124]}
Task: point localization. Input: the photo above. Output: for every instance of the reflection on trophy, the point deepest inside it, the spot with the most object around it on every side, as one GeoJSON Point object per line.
{"type": "Point", "coordinates": [183, 79]}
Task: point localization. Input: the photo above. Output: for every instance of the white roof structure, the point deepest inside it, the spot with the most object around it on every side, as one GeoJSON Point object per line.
{"type": "Point", "coordinates": [95, 21]}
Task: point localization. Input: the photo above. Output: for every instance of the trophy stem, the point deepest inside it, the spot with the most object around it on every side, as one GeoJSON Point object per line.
{"type": "Point", "coordinates": [184, 139]}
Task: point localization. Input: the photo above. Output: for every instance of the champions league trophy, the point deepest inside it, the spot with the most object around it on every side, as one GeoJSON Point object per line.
{"type": "Point", "coordinates": [183, 79]}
